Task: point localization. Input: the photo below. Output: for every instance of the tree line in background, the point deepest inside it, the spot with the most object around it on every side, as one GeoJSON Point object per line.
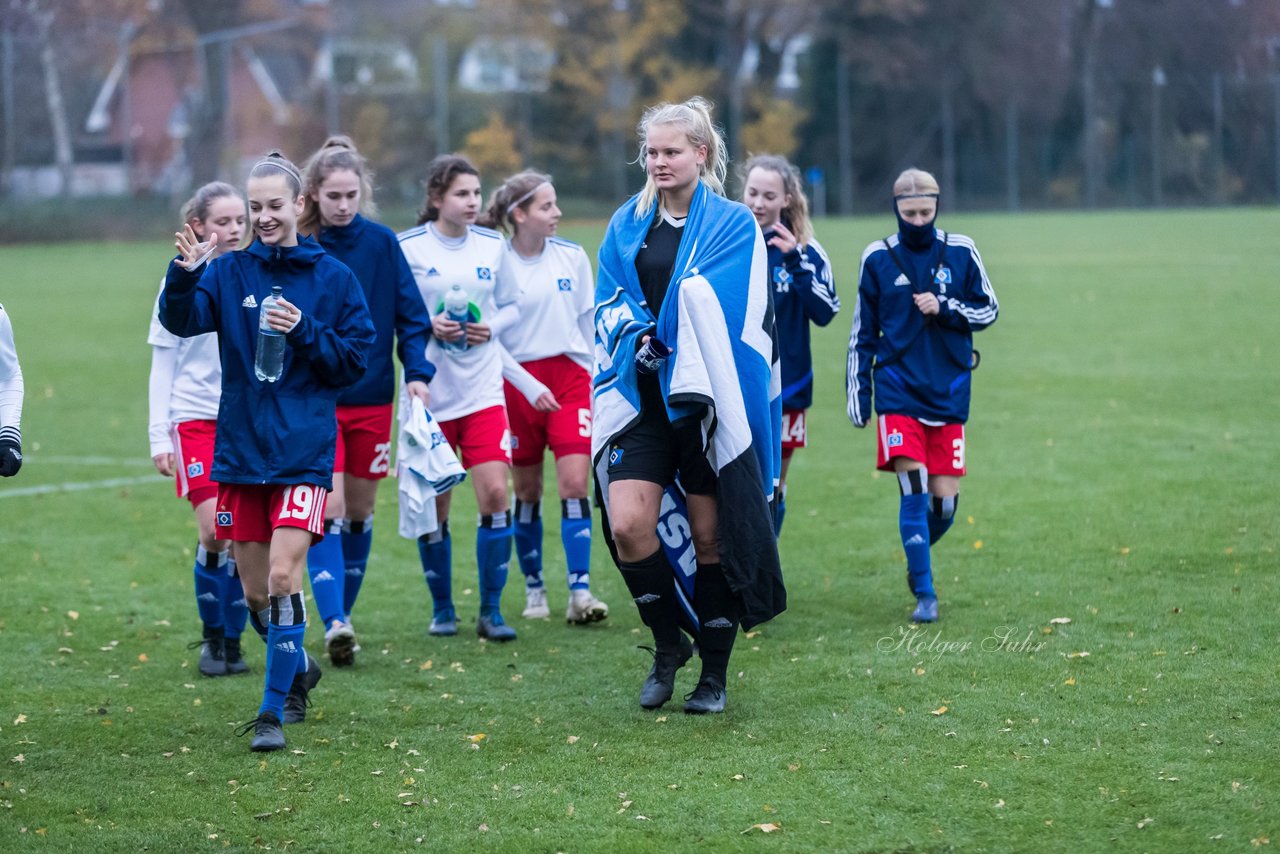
{"type": "Point", "coordinates": [1049, 103]}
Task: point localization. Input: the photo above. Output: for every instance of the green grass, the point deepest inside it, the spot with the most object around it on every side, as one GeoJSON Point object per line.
{"type": "Point", "coordinates": [1121, 451]}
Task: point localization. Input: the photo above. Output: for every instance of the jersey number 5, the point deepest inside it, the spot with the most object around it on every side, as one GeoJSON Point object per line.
{"type": "Point", "coordinates": [584, 422]}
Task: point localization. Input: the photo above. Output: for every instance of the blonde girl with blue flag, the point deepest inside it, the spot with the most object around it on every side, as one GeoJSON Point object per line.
{"type": "Point", "coordinates": [686, 406]}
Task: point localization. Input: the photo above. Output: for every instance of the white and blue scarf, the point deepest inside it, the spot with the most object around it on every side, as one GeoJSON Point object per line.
{"type": "Point", "coordinates": [717, 317]}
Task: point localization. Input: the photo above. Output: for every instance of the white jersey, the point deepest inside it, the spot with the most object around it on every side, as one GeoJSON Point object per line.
{"type": "Point", "coordinates": [11, 387]}
{"type": "Point", "coordinates": [470, 380]}
{"type": "Point", "coordinates": [557, 304]}
{"type": "Point", "coordinates": [185, 383]}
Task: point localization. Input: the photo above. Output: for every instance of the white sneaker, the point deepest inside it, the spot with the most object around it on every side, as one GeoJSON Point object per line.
{"type": "Point", "coordinates": [340, 644]}
{"type": "Point", "coordinates": [535, 603]}
{"type": "Point", "coordinates": [585, 608]}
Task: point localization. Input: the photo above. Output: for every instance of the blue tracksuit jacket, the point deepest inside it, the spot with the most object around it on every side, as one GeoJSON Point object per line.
{"type": "Point", "coordinates": [283, 432]}
{"type": "Point", "coordinates": [373, 253]}
{"type": "Point", "coordinates": [920, 366]}
{"type": "Point", "coordinates": [803, 293]}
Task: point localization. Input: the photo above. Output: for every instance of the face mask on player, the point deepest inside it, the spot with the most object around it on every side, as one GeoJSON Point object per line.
{"type": "Point", "coordinates": [917, 237]}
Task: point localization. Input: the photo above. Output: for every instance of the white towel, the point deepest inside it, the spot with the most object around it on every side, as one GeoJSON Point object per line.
{"type": "Point", "coordinates": [426, 467]}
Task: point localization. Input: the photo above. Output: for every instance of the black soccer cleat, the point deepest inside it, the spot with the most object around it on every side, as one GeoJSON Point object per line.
{"type": "Point", "coordinates": [661, 682]}
{"type": "Point", "coordinates": [298, 698]}
{"type": "Point", "coordinates": [235, 661]}
{"type": "Point", "coordinates": [707, 698]}
{"type": "Point", "coordinates": [213, 661]}
{"type": "Point", "coordinates": [268, 734]}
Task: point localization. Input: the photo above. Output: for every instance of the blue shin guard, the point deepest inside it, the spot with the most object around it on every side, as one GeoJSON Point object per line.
{"type": "Point", "coordinates": [288, 625]}
{"type": "Point", "coordinates": [324, 565]}
{"type": "Point", "coordinates": [913, 526]}
{"type": "Point", "coordinates": [528, 540]}
{"type": "Point", "coordinates": [493, 556]}
{"type": "Point", "coordinates": [435, 550]}
{"type": "Point", "coordinates": [357, 542]}
{"type": "Point", "coordinates": [211, 583]}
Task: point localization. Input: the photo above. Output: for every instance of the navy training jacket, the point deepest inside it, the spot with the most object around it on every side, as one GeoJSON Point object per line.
{"type": "Point", "coordinates": [920, 366]}
{"type": "Point", "coordinates": [803, 293]}
{"type": "Point", "coordinates": [373, 253]}
{"type": "Point", "coordinates": [283, 432]}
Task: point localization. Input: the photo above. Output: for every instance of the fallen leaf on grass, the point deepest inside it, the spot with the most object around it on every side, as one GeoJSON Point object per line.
{"type": "Point", "coordinates": [19, 759]}
{"type": "Point", "coordinates": [941, 710]}
{"type": "Point", "coordinates": [739, 777]}
{"type": "Point", "coordinates": [1256, 842]}
{"type": "Point", "coordinates": [75, 615]}
{"type": "Point", "coordinates": [573, 739]}
{"type": "Point", "coordinates": [142, 657]}
{"type": "Point", "coordinates": [1059, 621]}
{"type": "Point", "coordinates": [20, 719]}
{"type": "Point", "coordinates": [484, 828]}
{"type": "Point", "coordinates": [1071, 680]}
{"type": "Point", "coordinates": [475, 739]}
{"type": "Point", "coordinates": [1081, 654]}
{"type": "Point", "coordinates": [999, 804]}
{"type": "Point", "coordinates": [642, 818]}
{"type": "Point", "coordinates": [1146, 821]}
{"type": "Point", "coordinates": [977, 544]}
{"type": "Point", "coordinates": [765, 828]}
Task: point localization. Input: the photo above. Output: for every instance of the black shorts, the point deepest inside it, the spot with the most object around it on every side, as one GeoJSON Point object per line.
{"type": "Point", "coordinates": [654, 449]}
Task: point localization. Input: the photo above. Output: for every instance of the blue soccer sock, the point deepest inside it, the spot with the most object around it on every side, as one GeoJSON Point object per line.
{"type": "Point", "coordinates": [357, 541]}
{"type": "Point", "coordinates": [287, 626]}
{"type": "Point", "coordinates": [235, 610]}
{"type": "Point", "coordinates": [913, 525]}
{"type": "Point", "coordinates": [324, 565]}
{"type": "Point", "coordinates": [942, 512]}
{"type": "Point", "coordinates": [211, 581]}
{"type": "Point", "coordinates": [575, 534]}
{"type": "Point", "coordinates": [782, 511]}
{"type": "Point", "coordinates": [528, 537]}
{"type": "Point", "coordinates": [493, 556]}
{"type": "Point", "coordinates": [436, 553]}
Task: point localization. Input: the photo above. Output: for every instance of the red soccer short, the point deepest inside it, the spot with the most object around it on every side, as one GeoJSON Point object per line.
{"type": "Point", "coordinates": [565, 432]}
{"type": "Point", "coordinates": [940, 448]}
{"type": "Point", "coordinates": [193, 460]}
{"type": "Point", "coordinates": [795, 431]}
{"type": "Point", "coordinates": [248, 513]}
{"type": "Point", "coordinates": [483, 437]}
{"type": "Point", "coordinates": [364, 441]}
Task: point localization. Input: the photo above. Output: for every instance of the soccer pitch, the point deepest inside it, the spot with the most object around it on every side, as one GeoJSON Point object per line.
{"type": "Point", "coordinates": [1103, 676]}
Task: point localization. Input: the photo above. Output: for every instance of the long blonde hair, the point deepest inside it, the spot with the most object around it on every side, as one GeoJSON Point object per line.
{"type": "Point", "coordinates": [796, 213]}
{"type": "Point", "coordinates": [694, 118]}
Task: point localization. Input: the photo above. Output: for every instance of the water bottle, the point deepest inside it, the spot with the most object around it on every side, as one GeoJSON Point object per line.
{"type": "Point", "coordinates": [457, 307]}
{"type": "Point", "coordinates": [268, 360]}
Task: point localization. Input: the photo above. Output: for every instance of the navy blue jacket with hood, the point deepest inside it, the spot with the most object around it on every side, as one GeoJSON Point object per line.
{"type": "Point", "coordinates": [283, 432]}
{"type": "Point", "coordinates": [373, 253]}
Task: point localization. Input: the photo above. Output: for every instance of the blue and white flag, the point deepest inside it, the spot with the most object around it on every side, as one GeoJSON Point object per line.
{"type": "Point", "coordinates": [717, 317]}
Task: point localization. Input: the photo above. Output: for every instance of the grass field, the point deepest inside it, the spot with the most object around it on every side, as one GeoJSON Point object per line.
{"type": "Point", "coordinates": [1121, 448]}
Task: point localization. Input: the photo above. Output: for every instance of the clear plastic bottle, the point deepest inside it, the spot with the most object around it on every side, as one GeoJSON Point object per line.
{"type": "Point", "coordinates": [457, 307]}
{"type": "Point", "coordinates": [268, 360]}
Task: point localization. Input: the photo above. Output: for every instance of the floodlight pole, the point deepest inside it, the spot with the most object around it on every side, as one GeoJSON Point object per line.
{"type": "Point", "coordinates": [844, 130]}
{"type": "Point", "coordinates": [1158, 81]}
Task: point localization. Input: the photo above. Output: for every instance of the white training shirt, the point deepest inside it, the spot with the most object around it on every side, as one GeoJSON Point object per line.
{"type": "Point", "coordinates": [185, 382]}
{"type": "Point", "coordinates": [557, 304]}
{"type": "Point", "coordinates": [11, 387]}
{"type": "Point", "coordinates": [471, 380]}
